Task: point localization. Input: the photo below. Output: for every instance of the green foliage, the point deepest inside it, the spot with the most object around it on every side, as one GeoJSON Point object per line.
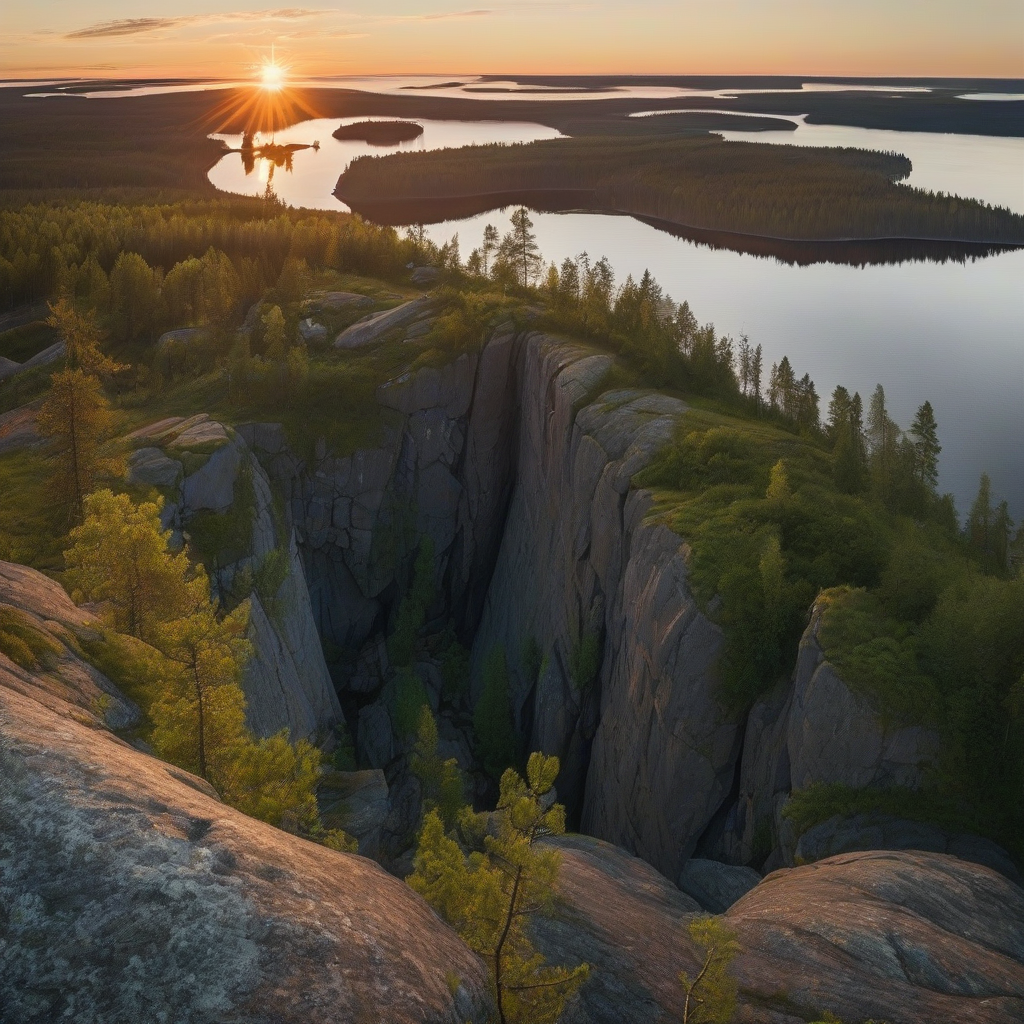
{"type": "Point", "coordinates": [711, 993]}
{"type": "Point", "coordinates": [118, 556]}
{"type": "Point", "coordinates": [409, 700]}
{"type": "Point", "coordinates": [488, 897]}
{"type": "Point", "coordinates": [31, 526]}
{"type": "Point", "coordinates": [585, 661]}
{"type": "Point", "coordinates": [492, 716]}
{"type": "Point", "coordinates": [440, 779]}
{"type": "Point", "coordinates": [767, 532]}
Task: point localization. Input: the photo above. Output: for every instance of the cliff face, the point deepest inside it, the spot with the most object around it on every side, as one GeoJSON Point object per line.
{"type": "Point", "coordinates": [286, 682]}
{"type": "Point", "coordinates": [129, 892]}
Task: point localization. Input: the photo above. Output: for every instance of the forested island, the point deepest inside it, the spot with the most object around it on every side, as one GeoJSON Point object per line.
{"type": "Point", "coordinates": [784, 192]}
{"type": "Point", "coordinates": [380, 133]}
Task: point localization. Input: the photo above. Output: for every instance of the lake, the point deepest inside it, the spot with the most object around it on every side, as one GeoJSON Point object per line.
{"type": "Point", "coordinates": [950, 332]}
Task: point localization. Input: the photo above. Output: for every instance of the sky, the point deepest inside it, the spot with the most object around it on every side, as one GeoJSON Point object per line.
{"type": "Point", "coordinates": [228, 38]}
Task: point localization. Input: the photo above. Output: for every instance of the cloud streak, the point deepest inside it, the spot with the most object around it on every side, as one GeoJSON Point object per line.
{"type": "Point", "coordinates": [142, 26]}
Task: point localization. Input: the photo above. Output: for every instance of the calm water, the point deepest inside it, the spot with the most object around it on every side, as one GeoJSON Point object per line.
{"type": "Point", "coordinates": [314, 173]}
{"type": "Point", "coordinates": [951, 333]}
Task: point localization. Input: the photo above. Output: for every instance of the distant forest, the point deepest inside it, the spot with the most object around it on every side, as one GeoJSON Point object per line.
{"type": "Point", "coordinates": [701, 182]}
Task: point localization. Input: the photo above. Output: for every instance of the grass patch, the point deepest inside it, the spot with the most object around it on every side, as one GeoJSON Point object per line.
{"type": "Point", "coordinates": [31, 530]}
{"type": "Point", "coordinates": [26, 387]}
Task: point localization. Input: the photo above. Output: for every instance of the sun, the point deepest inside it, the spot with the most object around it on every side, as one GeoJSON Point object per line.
{"type": "Point", "coordinates": [272, 76]}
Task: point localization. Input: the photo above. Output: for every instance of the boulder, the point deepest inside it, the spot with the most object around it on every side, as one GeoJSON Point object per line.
{"type": "Point", "coordinates": [130, 892]}
{"type": "Point", "coordinates": [372, 330]}
{"type": "Point", "coordinates": [212, 487]}
{"type": "Point", "coordinates": [716, 886]}
{"type": "Point", "coordinates": [905, 937]}
{"type": "Point", "coordinates": [312, 333]}
{"type": "Point", "coordinates": [204, 433]}
{"type": "Point", "coordinates": [183, 338]}
{"type": "Point", "coordinates": [18, 428]}
{"type": "Point", "coordinates": [151, 467]}
{"type": "Point", "coordinates": [885, 832]}
{"type": "Point", "coordinates": [50, 354]}
{"type": "Point", "coordinates": [424, 276]}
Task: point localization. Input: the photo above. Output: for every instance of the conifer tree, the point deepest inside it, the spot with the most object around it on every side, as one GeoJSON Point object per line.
{"type": "Point", "coordinates": [924, 432]}
{"type": "Point", "coordinates": [274, 340]}
{"type": "Point", "coordinates": [523, 250]}
{"type": "Point", "coordinates": [489, 247]}
{"type": "Point", "coordinates": [440, 779]}
{"type": "Point", "coordinates": [119, 556]}
{"type": "Point", "coordinates": [490, 896]}
{"type": "Point", "coordinates": [883, 435]}
{"type": "Point", "coordinates": [982, 517]}
{"type": "Point", "coordinates": [711, 993]}
{"type": "Point", "coordinates": [134, 296]}
{"type": "Point", "coordinates": [75, 416]}
{"type": "Point", "coordinates": [200, 720]}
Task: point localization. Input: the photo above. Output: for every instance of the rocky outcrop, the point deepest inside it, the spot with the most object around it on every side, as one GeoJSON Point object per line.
{"type": "Point", "coordinates": [714, 885]}
{"type": "Point", "coordinates": [885, 832]}
{"type": "Point", "coordinates": [50, 354]}
{"type": "Point", "coordinates": [129, 892]}
{"type": "Point", "coordinates": [909, 938]}
{"type": "Point", "coordinates": [442, 470]}
{"type": "Point", "coordinates": [816, 730]}
{"type": "Point", "coordinates": [18, 428]}
{"type": "Point", "coordinates": [374, 328]}
{"type": "Point", "coordinates": [41, 636]}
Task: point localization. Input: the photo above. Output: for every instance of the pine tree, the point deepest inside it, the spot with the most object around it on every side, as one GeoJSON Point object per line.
{"type": "Point", "coordinates": [755, 376]}
{"type": "Point", "coordinates": [274, 339]}
{"type": "Point", "coordinates": [981, 518]}
{"type": "Point", "coordinates": [490, 897]}
{"type": "Point", "coordinates": [711, 993]}
{"type": "Point", "coordinates": [440, 779]}
{"type": "Point", "coordinates": [883, 435]}
{"type": "Point", "coordinates": [200, 720]}
{"type": "Point", "coordinates": [75, 416]}
{"type": "Point", "coordinates": [525, 252]}
{"type": "Point", "coordinates": [924, 432]}
{"type": "Point", "coordinates": [119, 556]}
{"type": "Point", "coordinates": [489, 247]}
{"type": "Point", "coordinates": [81, 336]}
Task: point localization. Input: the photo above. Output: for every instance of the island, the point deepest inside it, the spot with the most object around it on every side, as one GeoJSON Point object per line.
{"type": "Point", "coordinates": [380, 133]}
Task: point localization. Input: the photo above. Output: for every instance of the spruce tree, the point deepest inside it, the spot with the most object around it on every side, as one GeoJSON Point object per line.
{"type": "Point", "coordinates": [924, 432]}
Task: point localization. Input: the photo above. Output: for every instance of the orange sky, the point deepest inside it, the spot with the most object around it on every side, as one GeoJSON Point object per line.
{"type": "Point", "coordinates": [112, 38]}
